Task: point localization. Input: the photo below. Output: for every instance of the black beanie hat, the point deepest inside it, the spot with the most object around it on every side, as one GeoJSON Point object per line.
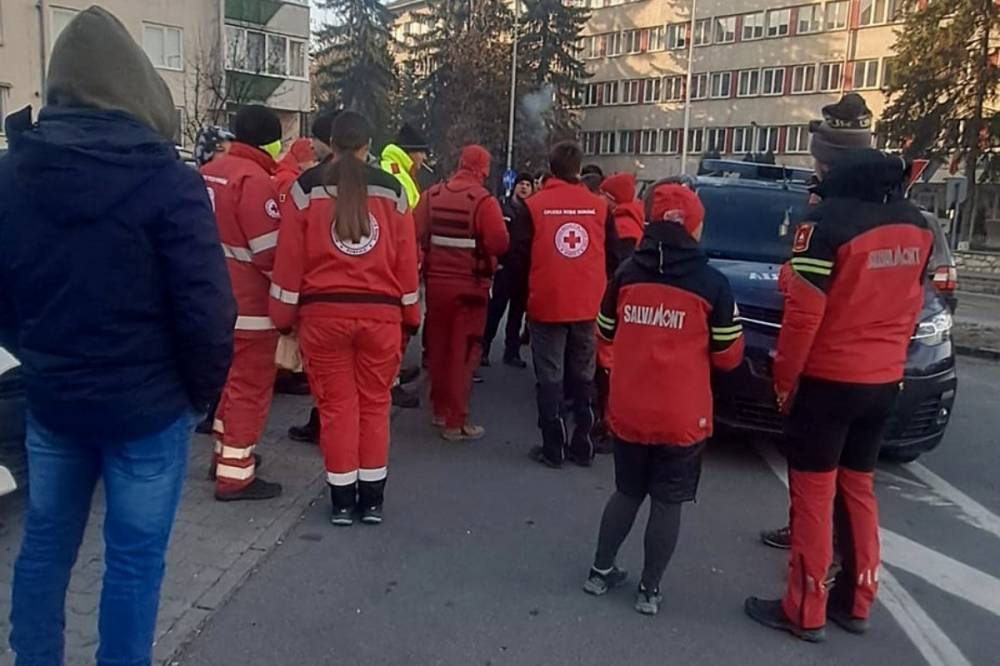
{"type": "Point", "coordinates": [322, 126]}
{"type": "Point", "coordinates": [257, 126]}
{"type": "Point", "coordinates": [523, 177]}
{"type": "Point", "coordinates": [410, 140]}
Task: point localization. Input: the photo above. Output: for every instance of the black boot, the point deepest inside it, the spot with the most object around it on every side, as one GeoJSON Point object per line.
{"type": "Point", "coordinates": [259, 489]}
{"type": "Point", "coordinates": [550, 453]}
{"type": "Point", "coordinates": [581, 447]}
{"type": "Point", "coordinates": [308, 433]}
{"type": "Point", "coordinates": [512, 357]}
{"type": "Point", "coordinates": [771, 614]}
{"type": "Point", "coordinates": [344, 501]}
{"type": "Point", "coordinates": [404, 399]}
{"type": "Point", "coordinates": [371, 494]}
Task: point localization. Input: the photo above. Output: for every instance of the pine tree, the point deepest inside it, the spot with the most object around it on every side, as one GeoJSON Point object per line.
{"type": "Point", "coordinates": [944, 90]}
{"type": "Point", "coordinates": [356, 69]}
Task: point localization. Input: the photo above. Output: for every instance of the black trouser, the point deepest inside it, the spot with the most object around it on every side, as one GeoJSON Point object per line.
{"type": "Point", "coordinates": [506, 292]}
{"type": "Point", "coordinates": [565, 351]}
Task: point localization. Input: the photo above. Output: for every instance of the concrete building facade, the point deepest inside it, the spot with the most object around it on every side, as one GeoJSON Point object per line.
{"type": "Point", "coordinates": [214, 54]}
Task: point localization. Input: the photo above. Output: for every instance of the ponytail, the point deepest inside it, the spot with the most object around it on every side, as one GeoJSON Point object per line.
{"type": "Point", "coordinates": [350, 133]}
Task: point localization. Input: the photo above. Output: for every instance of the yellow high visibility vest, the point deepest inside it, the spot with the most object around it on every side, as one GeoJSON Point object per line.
{"type": "Point", "coordinates": [396, 161]}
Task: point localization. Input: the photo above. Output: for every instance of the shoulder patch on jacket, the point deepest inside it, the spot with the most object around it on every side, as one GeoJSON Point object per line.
{"type": "Point", "coordinates": [803, 237]}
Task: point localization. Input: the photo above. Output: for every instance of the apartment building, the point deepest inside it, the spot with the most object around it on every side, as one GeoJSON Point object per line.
{"type": "Point", "coordinates": [761, 70]}
{"type": "Point", "coordinates": [214, 54]}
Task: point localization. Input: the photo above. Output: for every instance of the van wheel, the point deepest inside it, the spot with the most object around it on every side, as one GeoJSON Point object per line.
{"type": "Point", "coordinates": [902, 457]}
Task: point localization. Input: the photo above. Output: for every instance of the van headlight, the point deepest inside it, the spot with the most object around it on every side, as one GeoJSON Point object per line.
{"type": "Point", "coordinates": [935, 329]}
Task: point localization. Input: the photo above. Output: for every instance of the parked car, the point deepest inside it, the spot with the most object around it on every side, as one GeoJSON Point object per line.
{"type": "Point", "coordinates": [750, 221]}
{"type": "Point", "coordinates": [13, 463]}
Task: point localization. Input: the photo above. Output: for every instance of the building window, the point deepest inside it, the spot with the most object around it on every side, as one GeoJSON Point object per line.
{"type": "Point", "coordinates": [657, 41]}
{"type": "Point", "coordinates": [60, 19]}
{"type": "Point", "coordinates": [748, 83]}
{"type": "Point", "coordinates": [696, 141]}
{"type": "Point", "coordinates": [671, 141]}
{"type": "Point", "coordinates": [277, 55]}
{"type": "Point", "coordinates": [610, 92]}
{"type": "Point", "coordinates": [831, 76]}
{"type": "Point", "coordinates": [590, 94]}
{"type": "Point", "coordinates": [865, 74]}
{"type": "Point", "coordinates": [633, 41]}
{"type": "Point", "coordinates": [265, 54]}
{"type": "Point", "coordinates": [677, 36]}
{"type": "Point", "coordinates": [722, 85]}
{"type": "Point", "coordinates": [631, 91]}
{"type": "Point", "coordinates": [652, 90]}
{"type": "Point", "coordinates": [797, 139]}
{"type": "Point", "coordinates": [810, 19]}
{"type": "Point", "coordinates": [772, 81]}
{"type": "Point", "coordinates": [627, 142]}
{"type": "Point", "coordinates": [715, 140]}
{"type": "Point", "coordinates": [767, 139]}
{"type": "Point", "coordinates": [590, 142]}
{"type": "Point", "coordinates": [699, 86]}
{"type": "Point", "coordinates": [297, 67]}
{"type": "Point", "coordinates": [647, 141]}
{"type": "Point", "coordinates": [703, 32]}
{"type": "Point", "coordinates": [753, 26]}
{"type": "Point", "coordinates": [742, 140]}
{"type": "Point", "coordinates": [608, 145]}
{"type": "Point", "coordinates": [591, 47]}
{"type": "Point", "coordinates": [888, 72]}
{"type": "Point", "coordinates": [673, 89]}
{"type": "Point", "coordinates": [614, 44]}
{"type": "Point", "coordinates": [164, 46]}
{"type": "Point", "coordinates": [803, 79]}
{"type": "Point", "coordinates": [725, 30]}
{"type": "Point", "coordinates": [836, 14]}
{"type": "Point", "coordinates": [778, 22]}
{"type": "Point", "coordinates": [874, 12]}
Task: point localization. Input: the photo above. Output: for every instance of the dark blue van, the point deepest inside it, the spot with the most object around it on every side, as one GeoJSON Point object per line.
{"type": "Point", "coordinates": [751, 215]}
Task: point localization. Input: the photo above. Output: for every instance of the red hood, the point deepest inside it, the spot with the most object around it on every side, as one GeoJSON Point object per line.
{"type": "Point", "coordinates": [474, 163]}
{"type": "Point", "coordinates": [620, 188]}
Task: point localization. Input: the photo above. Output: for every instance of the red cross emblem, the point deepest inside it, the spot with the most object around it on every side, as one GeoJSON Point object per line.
{"type": "Point", "coordinates": [572, 240]}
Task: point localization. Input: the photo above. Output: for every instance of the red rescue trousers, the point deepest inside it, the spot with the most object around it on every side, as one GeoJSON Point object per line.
{"type": "Point", "coordinates": [456, 319]}
{"type": "Point", "coordinates": [352, 364]}
{"type": "Point", "coordinates": [242, 412]}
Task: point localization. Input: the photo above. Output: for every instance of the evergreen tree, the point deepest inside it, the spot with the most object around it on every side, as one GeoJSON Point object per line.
{"type": "Point", "coordinates": [355, 68]}
{"type": "Point", "coordinates": [944, 88]}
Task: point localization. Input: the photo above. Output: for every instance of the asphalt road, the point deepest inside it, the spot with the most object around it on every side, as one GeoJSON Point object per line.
{"type": "Point", "coordinates": [482, 555]}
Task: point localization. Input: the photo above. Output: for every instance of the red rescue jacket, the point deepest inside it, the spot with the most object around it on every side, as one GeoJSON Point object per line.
{"type": "Point", "coordinates": [461, 227]}
{"type": "Point", "coordinates": [285, 175]}
{"type": "Point", "coordinates": [246, 210]}
{"type": "Point", "coordinates": [672, 318]}
{"type": "Point", "coordinates": [854, 286]}
{"type": "Point", "coordinates": [568, 261]}
{"type": "Point", "coordinates": [375, 278]}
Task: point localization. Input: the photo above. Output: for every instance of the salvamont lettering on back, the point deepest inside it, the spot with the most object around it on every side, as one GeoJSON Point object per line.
{"type": "Point", "coordinates": [658, 316]}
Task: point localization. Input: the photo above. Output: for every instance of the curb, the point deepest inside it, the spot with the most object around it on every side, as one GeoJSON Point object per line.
{"type": "Point", "coordinates": [978, 352]}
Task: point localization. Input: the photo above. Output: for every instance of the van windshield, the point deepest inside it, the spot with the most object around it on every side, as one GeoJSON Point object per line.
{"type": "Point", "coordinates": [751, 224]}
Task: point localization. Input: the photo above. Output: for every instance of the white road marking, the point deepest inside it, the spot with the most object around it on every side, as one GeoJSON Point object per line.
{"type": "Point", "coordinates": [934, 645]}
{"type": "Point", "coordinates": [977, 514]}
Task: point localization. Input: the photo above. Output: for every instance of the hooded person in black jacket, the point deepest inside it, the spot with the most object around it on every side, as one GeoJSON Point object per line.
{"type": "Point", "coordinates": [114, 295]}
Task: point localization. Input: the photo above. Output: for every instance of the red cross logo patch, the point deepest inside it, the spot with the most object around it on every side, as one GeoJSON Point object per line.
{"type": "Point", "coordinates": [572, 240]}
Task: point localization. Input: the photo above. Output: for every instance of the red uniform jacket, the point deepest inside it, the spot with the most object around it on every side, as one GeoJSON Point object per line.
{"type": "Point", "coordinates": [568, 270]}
{"type": "Point", "coordinates": [672, 318]}
{"type": "Point", "coordinates": [287, 172]}
{"type": "Point", "coordinates": [375, 278]}
{"type": "Point", "coordinates": [246, 209]}
{"type": "Point", "coordinates": [461, 227]}
{"type": "Point", "coordinates": [854, 286]}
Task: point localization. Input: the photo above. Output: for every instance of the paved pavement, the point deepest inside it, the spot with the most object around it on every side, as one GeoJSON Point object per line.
{"type": "Point", "coordinates": [482, 555]}
{"type": "Point", "coordinates": [980, 309]}
{"type": "Point", "coordinates": [214, 546]}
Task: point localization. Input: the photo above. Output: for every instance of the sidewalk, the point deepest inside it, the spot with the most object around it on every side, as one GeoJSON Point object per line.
{"type": "Point", "coordinates": [977, 325]}
{"type": "Point", "coordinates": [214, 545]}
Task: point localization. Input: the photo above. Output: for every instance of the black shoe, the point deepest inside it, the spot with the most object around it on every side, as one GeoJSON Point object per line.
{"type": "Point", "coordinates": [258, 490]}
{"type": "Point", "coordinates": [779, 538]}
{"type": "Point", "coordinates": [342, 517]}
{"type": "Point", "coordinates": [648, 602]}
{"type": "Point", "coordinates": [598, 583]}
{"type": "Point", "coordinates": [404, 399]}
{"type": "Point", "coordinates": [292, 383]}
{"type": "Point", "coordinates": [604, 446]}
{"type": "Point", "coordinates": [308, 433]}
{"type": "Point", "coordinates": [579, 460]}
{"type": "Point", "coordinates": [538, 455]}
{"type": "Point", "coordinates": [371, 515]}
{"type": "Point", "coordinates": [409, 375]}
{"type": "Point", "coordinates": [477, 378]}
{"type": "Point", "coordinates": [770, 614]}
{"type": "Point", "coordinates": [343, 500]}
{"type": "Point", "coordinates": [846, 621]}
{"type": "Point", "coordinates": [257, 462]}
{"type": "Point", "coordinates": [514, 361]}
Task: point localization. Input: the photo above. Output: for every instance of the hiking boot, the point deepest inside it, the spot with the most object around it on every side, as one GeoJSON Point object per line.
{"type": "Point", "coordinates": [467, 433]}
{"type": "Point", "coordinates": [770, 614]}
{"type": "Point", "coordinates": [537, 454]}
{"type": "Point", "coordinates": [598, 583]}
{"type": "Point", "coordinates": [370, 497]}
{"type": "Point", "coordinates": [257, 462]}
{"type": "Point", "coordinates": [514, 361]}
{"type": "Point", "coordinates": [648, 602]}
{"type": "Point", "coordinates": [308, 433]}
{"type": "Point", "coordinates": [779, 538]}
{"type": "Point", "coordinates": [342, 516]}
{"type": "Point", "coordinates": [846, 621]}
{"type": "Point", "coordinates": [409, 375]}
{"type": "Point", "coordinates": [343, 500]}
{"type": "Point", "coordinates": [259, 489]}
{"type": "Point", "coordinates": [404, 399]}
{"type": "Point", "coordinates": [372, 515]}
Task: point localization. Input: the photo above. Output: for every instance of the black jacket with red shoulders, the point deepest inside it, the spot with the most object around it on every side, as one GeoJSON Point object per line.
{"type": "Point", "coordinates": [673, 319]}
{"type": "Point", "coordinates": [854, 285]}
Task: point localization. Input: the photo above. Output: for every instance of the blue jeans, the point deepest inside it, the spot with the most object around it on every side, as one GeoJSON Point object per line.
{"type": "Point", "coordinates": [142, 484]}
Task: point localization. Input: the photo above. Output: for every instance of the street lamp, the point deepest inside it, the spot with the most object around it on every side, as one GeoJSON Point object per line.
{"type": "Point", "coordinates": [513, 90]}
{"type": "Point", "coordinates": [687, 96]}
